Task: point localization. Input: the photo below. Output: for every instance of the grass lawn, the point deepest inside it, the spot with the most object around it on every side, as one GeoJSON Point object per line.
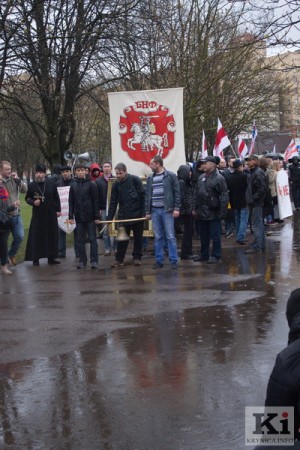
{"type": "Point", "coordinates": [26, 211]}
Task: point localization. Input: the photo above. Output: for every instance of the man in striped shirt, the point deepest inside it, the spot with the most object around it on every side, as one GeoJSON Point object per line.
{"type": "Point", "coordinates": [162, 206]}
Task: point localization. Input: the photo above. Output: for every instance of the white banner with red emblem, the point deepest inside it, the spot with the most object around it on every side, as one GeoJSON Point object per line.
{"type": "Point", "coordinates": [283, 195]}
{"type": "Point", "coordinates": [145, 124]}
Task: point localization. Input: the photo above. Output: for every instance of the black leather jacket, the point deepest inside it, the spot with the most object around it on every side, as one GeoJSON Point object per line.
{"type": "Point", "coordinates": [213, 184]}
{"type": "Point", "coordinates": [130, 195]}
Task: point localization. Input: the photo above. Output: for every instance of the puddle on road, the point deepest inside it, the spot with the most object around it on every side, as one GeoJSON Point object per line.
{"type": "Point", "coordinates": [173, 362]}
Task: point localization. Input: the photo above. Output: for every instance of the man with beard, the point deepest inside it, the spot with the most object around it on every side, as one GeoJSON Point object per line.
{"type": "Point", "coordinates": [42, 240]}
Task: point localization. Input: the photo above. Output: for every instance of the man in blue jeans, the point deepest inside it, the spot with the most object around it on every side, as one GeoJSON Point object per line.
{"type": "Point", "coordinates": [162, 207]}
{"type": "Point", "coordinates": [14, 185]}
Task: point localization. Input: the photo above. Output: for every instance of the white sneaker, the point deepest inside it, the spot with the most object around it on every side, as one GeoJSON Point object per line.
{"type": "Point", "coordinates": [5, 270]}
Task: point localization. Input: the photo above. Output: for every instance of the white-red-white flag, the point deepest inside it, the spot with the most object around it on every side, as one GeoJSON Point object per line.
{"type": "Point", "coordinates": [242, 148]}
{"type": "Point", "coordinates": [290, 151]}
{"type": "Point", "coordinates": [254, 136]}
{"type": "Point", "coordinates": [204, 152]}
{"type": "Point", "coordinates": [222, 141]}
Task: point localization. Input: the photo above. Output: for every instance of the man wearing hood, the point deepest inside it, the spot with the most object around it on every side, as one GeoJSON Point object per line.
{"type": "Point", "coordinates": [56, 174]}
{"type": "Point", "coordinates": [94, 171]}
{"type": "Point", "coordinates": [184, 175]}
{"type": "Point", "coordinates": [284, 382]}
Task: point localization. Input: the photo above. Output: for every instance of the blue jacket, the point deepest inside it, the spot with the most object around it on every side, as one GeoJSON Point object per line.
{"type": "Point", "coordinates": [172, 200]}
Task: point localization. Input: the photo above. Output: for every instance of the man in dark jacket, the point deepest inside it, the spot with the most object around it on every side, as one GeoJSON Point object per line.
{"type": "Point", "coordinates": [129, 193]}
{"type": "Point", "coordinates": [294, 178]}
{"type": "Point", "coordinates": [237, 183]}
{"type": "Point", "coordinates": [255, 196]}
{"type": "Point", "coordinates": [211, 199]}
{"type": "Point", "coordinates": [284, 382]}
{"type": "Point", "coordinates": [184, 175]}
{"type": "Point", "coordinates": [84, 206]}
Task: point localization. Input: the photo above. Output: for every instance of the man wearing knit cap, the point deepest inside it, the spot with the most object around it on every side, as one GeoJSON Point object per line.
{"type": "Point", "coordinates": [284, 383]}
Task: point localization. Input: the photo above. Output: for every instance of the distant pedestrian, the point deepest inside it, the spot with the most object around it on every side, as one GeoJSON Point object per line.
{"type": "Point", "coordinates": [256, 194]}
{"type": "Point", "coordinates": [56, 174]}
{"type": "Point", "coordinates": [294, 179]}
{"type": "Point", "coordinates": [186, 211]}
{"type": "Point", "coordinates": [42, 240]}
{"type": "Point", "coordinates": [237, 183]}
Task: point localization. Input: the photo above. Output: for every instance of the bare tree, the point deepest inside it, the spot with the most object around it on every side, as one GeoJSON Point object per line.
{"type": "Point", "coordinates": [54, 51]}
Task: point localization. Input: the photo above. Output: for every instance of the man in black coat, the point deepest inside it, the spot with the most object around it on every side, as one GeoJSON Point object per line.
{"type": "Point", "coordinates": [284, 382]}
{"type": "Point", "coordinates": [294, 179]}
{"type": "Point", "coordinates": [255, 195]}
{"type": "Point", "coordinates": [129, 194]}
{"type": "Point", "coordinates": [184, 178]}
{"type": "Point", "coordinates": [84, 206]}
{"type": "Point", "coordinates": [42, 240]}
{"type": "Point", "coordinates": [237, 186]}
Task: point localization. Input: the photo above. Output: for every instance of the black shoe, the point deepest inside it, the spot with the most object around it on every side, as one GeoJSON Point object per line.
{"type": "Point", "coordinates": [187, 257]}
{"type": "Point", "coordinates": [174, 265]}
{"type": "Point", "coordinates": [200, 259]}
{"type": "Point", "coordinates": [213, 260]}
{"type": "Point", "coordinates": [241, 242]}
{"type": "Point", "coordinates": [35, 262]}
{"type": "Point", "coordinates": [52, 262]}
{"type": "Point", "coordinates": [158, 265]}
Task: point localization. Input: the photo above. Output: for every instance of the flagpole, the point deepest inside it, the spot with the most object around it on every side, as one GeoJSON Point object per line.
{"type": "Point", "coordinates": [233, 151]}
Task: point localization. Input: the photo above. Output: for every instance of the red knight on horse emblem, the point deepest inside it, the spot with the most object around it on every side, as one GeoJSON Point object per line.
{"type": "Point", "coordinates": [146, 130]}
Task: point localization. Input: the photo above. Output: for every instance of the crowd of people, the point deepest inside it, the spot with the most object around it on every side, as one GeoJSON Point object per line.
{"type": "Point", "coordinates": [212, 198]}
{"type": "Point", "coordinates": [205, 200]}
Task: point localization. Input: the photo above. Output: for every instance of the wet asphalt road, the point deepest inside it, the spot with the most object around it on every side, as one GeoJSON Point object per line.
{"type": "Point", "coordinates": [138, 359]}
